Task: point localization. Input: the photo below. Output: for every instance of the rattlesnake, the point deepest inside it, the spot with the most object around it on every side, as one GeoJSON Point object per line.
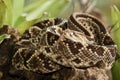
{"type": "Point", "coordinates": [82, 41]}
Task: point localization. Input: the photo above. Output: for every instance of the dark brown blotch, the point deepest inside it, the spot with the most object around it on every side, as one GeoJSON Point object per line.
{"type": "Point", "coordinates": [43, 25]}
{"type": "Point", "coordinates": [108, 41]}
{"type": "Point", "coordinates": [73, 46]}
{"type": "Point", "coordinates": [47, 49]}
{"type": "Point", "coordinates": [51, 38]}
{"type": "Point", "coordinates": [34, 63]}
{"type": "Point", "coordinates": [98, 49]}
{"type": "Point", "coordinates": [77, 60]}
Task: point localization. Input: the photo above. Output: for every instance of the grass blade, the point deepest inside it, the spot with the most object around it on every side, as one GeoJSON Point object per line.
{"type": "Point", "coordinates": [33, 6]}
{"type": "Point", "coordinates": [52, 7]}
{"type": "Point", "coordinates": [116, 35]}
{"type": "Point", "coordinates": [17, 9]}
{"type": "Point", "coordinates": [116, 70]}
{"type": "Point", "coordinates": [2, 13]}
{"type": "Point", "coordinates": [25, 25]}
{"type": "Point", "coordinates": [2, 37]}
{"type": "Point", "coordinates": [8, 18]}
{"type": "Point", "coordinates": [14, 10]}
{"type": "Point", "coordinates": [116, 19]}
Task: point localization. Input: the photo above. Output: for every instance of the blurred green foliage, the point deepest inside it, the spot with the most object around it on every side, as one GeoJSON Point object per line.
{"type": "Point", "coordinates": [116, 70]}
{"type": "Point", "coordinates": [104, 7]}
{"type": "Point", "coordinates": [20, 16]}
{"type": "Point", "coordinates": [14, 13]}
{"type": "Point", "coordinates": [115, 13]}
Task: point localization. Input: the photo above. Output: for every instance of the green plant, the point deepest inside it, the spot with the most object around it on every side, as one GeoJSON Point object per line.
{"type": "Point", "coordinates": [11, 12]}
{"type": "Point", "coordinates": [116, 35]}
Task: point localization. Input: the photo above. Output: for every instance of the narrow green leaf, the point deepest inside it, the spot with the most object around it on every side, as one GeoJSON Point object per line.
{"type": "Point", "coordinates": [8, 18]}
{"type": "Point", "coordinates": [116, 19]}
{"type": "Point", "coordinates": [52, 7]}
{"type": "Point", "coordinates": [2, 13]}
{"type": "Point", "coordinates": [14, 10]}
{"type": "Point", "coordinates": [33, 6]}
{"type": "Point", "coordinates": [17, 9]}
{"type": "Point", "coordinates": [116, 70]}
{"type": "Point", "coordinates": [8, 3]}
{"type": "Point", "coordinates": [2, 37]}
{"type": "Point", "coordinates": [19, 21]}
{"type": "Point", "coordinates": [68, 9]}
{"type": "Point", "coordinates": [25, 25]}
{"type": "Point", "coordinates": [60, 8]}
{"type": "Point", "coordinates": [116, 35]}
{"type": "Point", "coordinates": [40, 10]}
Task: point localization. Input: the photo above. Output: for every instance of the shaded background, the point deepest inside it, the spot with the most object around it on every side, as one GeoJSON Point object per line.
{"type": "Point", "coordinates": [104, 6]}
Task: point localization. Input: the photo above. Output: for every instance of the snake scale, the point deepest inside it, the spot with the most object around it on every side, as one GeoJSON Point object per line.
{"type": "Point", "coordinates": [81, 41]}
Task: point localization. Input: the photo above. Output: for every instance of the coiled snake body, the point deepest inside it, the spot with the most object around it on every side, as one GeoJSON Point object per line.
{"type": "Point", "coordinates": [79, 42]}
